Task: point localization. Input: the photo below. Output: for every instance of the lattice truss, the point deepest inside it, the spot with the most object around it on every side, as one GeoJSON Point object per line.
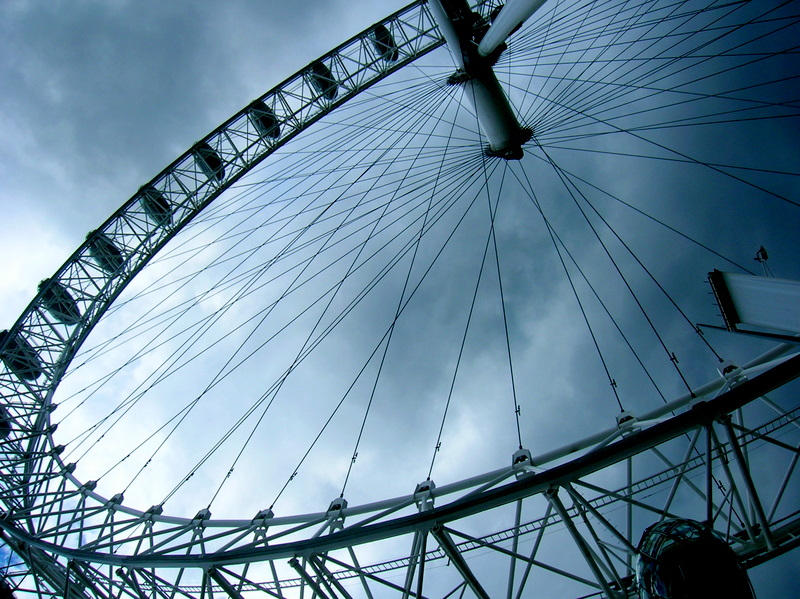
{"type": "Point", "coordinates": [576, 506]}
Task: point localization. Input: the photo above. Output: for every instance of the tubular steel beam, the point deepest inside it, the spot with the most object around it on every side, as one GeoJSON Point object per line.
{"type": "Point", "coordinates": [306, 578]}
{"type": "Point", "coordinates": [583, 547]}
{"type": "Point", "coordinates": [226, 586]}
{"type": "Point", "coordinates": [326, 575]}
{"type": "Point", "coordinates": [447, 545]}
{"type": "Point", "coordinates": [744, 471]}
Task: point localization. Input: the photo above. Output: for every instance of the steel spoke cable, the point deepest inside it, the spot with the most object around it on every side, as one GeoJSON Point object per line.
{"type": "Point", "coordinates": [693, 160]}
{"type": "Point", "coordinates": [610, 94]}
{"type": "Point", "coordinates": [613, 109]}
{"type": "Point", "coordinates": [310, 335]}
{"type": "Point", "coordinates": [527, 186]}
{"type": "Point", "coordinates": [388, 342]}
{"type": "Point", "coordinates": [343, 139]}
{"type": "Point", "coordinates": [652, 218]}
{"type": "Point", "coordinates": [646, 270]}
{"type": "Point", "coordinates": [641, 51]}
{"type": "Point", "coordinates": [567, 81]}
{"type": "Point", "coordinates": [192, 305]}
{"type": "Point", "coordinates": [302, 312]}
{"type": "Point", "coordinates": [695, 95]}
{"type": "Point", "coordinates": [612, 383]}
{"type": "Point", "coordinates": [524, 46]}
{"type": "Point", "coordinates": [386, 184]}
{"type": "Point", "coordinates": [146, 321]}
{"type": "Point", "coordinates": [571, 190]}
{"type": "Point", "coordinates": [381, 341]}
{"type": "Point", "coordinates": [586, 14]}
{"type": "Point", "coordinates": [592, 288]}
{"type": "Point", "coordinates": [438, 445]}
{"type": "Point", "coordinates": [564, 99]}
{"type": "Point", "coordinates": [493, 233]}
{"type": "Point", "coordinates": [349, 308]}
{"type": "Point", "coordinates": [664, 159]}
{"type": "Point", "coordinates": [229, 358]}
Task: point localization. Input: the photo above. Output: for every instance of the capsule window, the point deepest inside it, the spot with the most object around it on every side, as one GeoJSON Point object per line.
{"type": "Point", "coordinates": [59, 303]}
{"type": "Point", "coordinates": [209, 161]}
{"type": "Point", "coordinates": [322, 80]}
{"type": "Point", "coordinates": [19, 357]}
{"type": "Point", "coordinates": [264, 120]}
{"type": "Point", "coordinates": [384, 43]}
{"type": "Point", "coordinates": [105, 254]}
{"type": "Point", "coordinates": [155, 205]}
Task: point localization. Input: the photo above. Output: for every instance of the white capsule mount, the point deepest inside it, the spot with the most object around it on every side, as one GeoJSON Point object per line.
{"type": "Point", "coordinates": [463, 30]}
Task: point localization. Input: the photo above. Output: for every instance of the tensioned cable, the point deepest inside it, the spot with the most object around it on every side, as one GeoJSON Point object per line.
{"type": "Point", "coordinates": [220, 374]}
{"type": "Point", "coordinates": [687, 157]}
{"type": "Point", "coordinates": [592, 288]}
{"type": "Point", "coordinates": [643, 267]}
{"type": "Point", "coordinates": [225, 277]}
{"type": "Point", "coordinates": [338, 287]}
{"type": "Point", "coordinates": [381, 340]}
{"type": "Point", "coordinates": [563, 98]}
{"type": "Point", "coordinates": [612, 382]}
{"type": "Point", "coordinates": [493, 233]}
{"type": "Point", "coordinates": [670, 355]}
{"type": "Point", "coordinates": [438, 444]}
{"type": "Point", "coordinates": [388, 342]}
{"type": "Point", "coordinates": [642, 49]}
{"type": "Point", "coordinates": [566, 82]}
{"type": "Point", "coordinates": [652, 218]}
{"type": "Point", "coordinates": [330, 327]}
{"type": "Point", "coordinates": [222, 310]}
{"type": "Point", "coordinates": [688, 53]}
{"type": "Point", "coordinates": [344, 139]}
{"type": "Point", "coordinates": [347, 310]}
{"type": "Point", "coordinates": [631, 85]}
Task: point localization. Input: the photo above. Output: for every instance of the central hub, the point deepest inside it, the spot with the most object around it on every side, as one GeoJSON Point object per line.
{"type": "Point", "coordinates": [463, 30]}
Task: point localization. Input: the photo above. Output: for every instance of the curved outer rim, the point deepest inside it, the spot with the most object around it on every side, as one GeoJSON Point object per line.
{"type": "Point", "coordinates": [701, 414]}
{"type": "Point", "coordinates": [155, 237]}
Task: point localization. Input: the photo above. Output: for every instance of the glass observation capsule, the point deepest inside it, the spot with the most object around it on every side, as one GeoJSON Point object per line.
{"type": "Point", "coordinates": [19, 357]}
{"type": "Point", "coordinates": [264, 120]}
{"type": "Point", "coordinates": [384, 43]}
{"type": "Point", "coordinates": [322, 80]}
{"type": "Point", "coordinates": [209, 161]}
{"type": "Point", "coordinates": [155, 205]}
{"type": "Point", "coordinates": [683, 559]}
{"type": "Point", "coordinates": [59, 302]}
{"type": "Point", "coordinates": [103, 251]}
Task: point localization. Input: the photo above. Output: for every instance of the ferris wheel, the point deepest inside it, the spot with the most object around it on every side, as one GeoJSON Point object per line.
{"type": "Point", "coordinates": [430, 318]}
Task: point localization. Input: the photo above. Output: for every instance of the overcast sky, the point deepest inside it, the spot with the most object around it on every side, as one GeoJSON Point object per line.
{"type": "Point", "coordinates": [99, 96]}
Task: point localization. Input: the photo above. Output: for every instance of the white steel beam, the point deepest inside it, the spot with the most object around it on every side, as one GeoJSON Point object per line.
{"type": "Point", "coordinates": [513, 14]}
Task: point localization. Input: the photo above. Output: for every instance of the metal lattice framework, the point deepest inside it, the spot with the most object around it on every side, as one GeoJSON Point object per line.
{"type": "Point", "coordinates": [698, 455]}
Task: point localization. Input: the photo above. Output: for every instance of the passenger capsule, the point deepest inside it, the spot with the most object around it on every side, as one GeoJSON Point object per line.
{"type": "Point", "coordinates": [264, 120]}
{"type": "Point", "coordinates": [19, 357]}
{"type": "Point", "coordinates": [155, 205]}
{"type": "Point", "coordinates": [5, 423]}
{"type": "Point", "coordinates": [58, 302]}
{"type": "Point", "coordinates": [684, 559]}
{"type": "Point", "coordinates": [104, 252]}
{"type": "Point", "coordinates": [209, 161]}
{"type": "Point", "coordinates": [323, 81]}
{"type": "Point", "coordinates": [384, 44]}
